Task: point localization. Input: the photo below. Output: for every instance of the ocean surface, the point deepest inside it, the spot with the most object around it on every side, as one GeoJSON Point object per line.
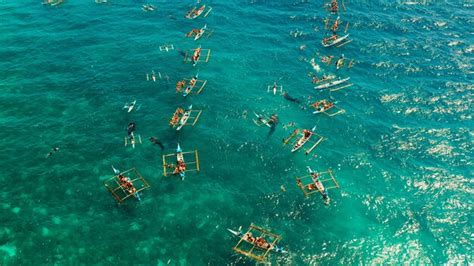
{"type": "Point", "coordinates": [402, 152]}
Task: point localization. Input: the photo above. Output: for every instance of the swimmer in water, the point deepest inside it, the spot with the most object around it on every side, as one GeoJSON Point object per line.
{"type": "Point", "coordinates": [56, 149]}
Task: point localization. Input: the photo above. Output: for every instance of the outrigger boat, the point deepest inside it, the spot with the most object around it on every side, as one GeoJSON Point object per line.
{"type": "Point", "coordinates": [196, 12]}
{"type": "Point", "coordinates": [192, 83]}
{"type": "Point", "coordinates": [315, 182]}
{"type": "Point", "coordinates": [257, 243]}
{"type": "Point", "coordinates": [126, 184]}
{"type": "Point", "coordinates": [275, 88]}
{"type": "Point", "coordinates": [328, 42]}
{"type": "Point", "coordinates": [185, 117]}
{"type": "Point", "coordinates": [323, 106]}
{"type": "Point", "coordinates": [182, 164]}
{"type": "Point", "coordinates": [182, 117]}
{"type": "Point", "coordinates": [240, 234]}
{"type": "Point", "coordinates": [128, 188]}
{"type": "Point", "coordinates": [197, 33]}
{"type": "Point", "coordinates": [306, 136]}
{"type": "Point", "coordinates": [334, 83]}
{"type": "Point", "coordinates": [194, 55]}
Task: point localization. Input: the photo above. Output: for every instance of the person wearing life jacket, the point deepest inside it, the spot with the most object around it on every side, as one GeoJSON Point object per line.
{"type": "Point", "coordinates": [334, 6]}
{"type": "Point", "coordinates": [197, 54]}
{"type": "Point", "coordinates": [335, 26]}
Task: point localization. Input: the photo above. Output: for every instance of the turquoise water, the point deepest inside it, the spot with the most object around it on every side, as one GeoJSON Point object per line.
{"type": "Point", "coordinates": [402, 152]}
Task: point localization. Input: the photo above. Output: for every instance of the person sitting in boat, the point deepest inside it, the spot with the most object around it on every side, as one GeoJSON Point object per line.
{"type": "Point", "coordinates": [335, 26]}
{"type": "Point", "coordinates": [197, 54]}
{"type": "Point", "coordinates": [193, 81]}
{"type": "Point", "coordinates": [174, 120]}
{"type": "Point", "coordinates": [332, 38]}
{"type": "Point", "coordinates": [311, 187]}
{"type": "Point", "coordinates": [327, 105]}
{"type": "Point", "coordinates": [306, 133]}
{"type": "Point", "coordinates": [180, 167]}
{"type": "Point", "coordinates": [320, 106]}
{"type": "Point", "coordinates": [180, 84]}
{"type": "Point", "coordinates": [334, 6]}
{"type": "Point", "coordinates": [126, 183]}
{"type": "Point", "coordinates": [262, 243]}
{"type": "Point", "coordinates": [193, 32]}
{"type": "Point", "coordinates": [198, 11]}
{"type": "Point", "coordinates": [249, 238]}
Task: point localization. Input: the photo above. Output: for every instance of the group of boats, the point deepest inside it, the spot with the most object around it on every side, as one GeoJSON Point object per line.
{"type": "Point", "coordinates": [189, 116]}
{"type": "Point", "coordinates": [130, 183]}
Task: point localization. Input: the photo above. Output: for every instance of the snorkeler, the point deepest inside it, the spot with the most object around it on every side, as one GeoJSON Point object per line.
{"type": "Point", "coordinates": [56, 149]}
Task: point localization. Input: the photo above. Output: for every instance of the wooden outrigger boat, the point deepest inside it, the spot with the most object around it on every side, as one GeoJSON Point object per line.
{"type": "Point", "coordinates": [194, 85]}
{"type": "Point", "coordinates": [126, 184]}
{"type": "Point", "coordinates": [257, 243]}
{"type": "Point", "coordinates": [317, 182]}
{"type": "Point", "coordinates": [181, 117]}
{"type": "Point", "coordinates": [274, 88]}
{"type": "Point", "coordinates": [198, 33]}
{"type": "Point", "coordinates": [196, 12]}
{"type": "Point", "coordinates": [182, 164]}
{"type": "Point", "coordinates": [327, 108]}
{"type": "Point", "coordinates": [332, 84]}
{"type": "Point", "coordinates": [194, 55]}
{"type": "Point", "coordinates": [336, 41]}
{"type": "Point", "coordinates": [306, 136]}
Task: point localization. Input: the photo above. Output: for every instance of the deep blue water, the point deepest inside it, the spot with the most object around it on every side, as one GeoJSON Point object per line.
{"type": "Point", "coordinates": [402, 152]}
